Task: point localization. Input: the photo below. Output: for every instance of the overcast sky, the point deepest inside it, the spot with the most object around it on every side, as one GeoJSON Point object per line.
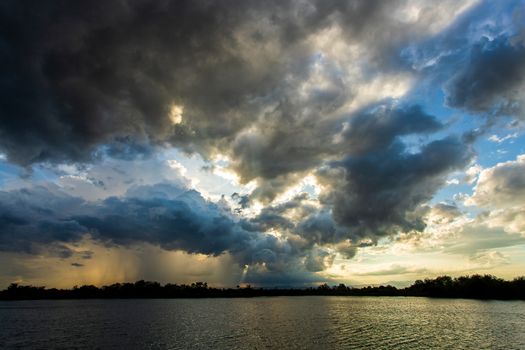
{"type": "Point", "coordinates": [274, 143]}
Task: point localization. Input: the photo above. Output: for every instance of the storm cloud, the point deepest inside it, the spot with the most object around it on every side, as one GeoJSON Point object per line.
{"type": "Point", "coordinates": [77, 75]}
{"type": "Point", "coordinates": [382, 191]}
{"type": "Point", "coordinates": [379, 187]}
{"type": "Point", "coordinates": [194, 74]}
{"type": "Point", "coordinates": [29, 217]}
{"type": "Point", "coordinates": [492, 80]}
{"type": "Point", "coordinates": [313, 120]}
{"type": "Point", "coordinates": [165, 215]}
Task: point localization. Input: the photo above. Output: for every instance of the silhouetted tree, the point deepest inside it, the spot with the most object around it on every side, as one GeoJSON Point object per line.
{"type": "Point", "coordinates": [475, 286]}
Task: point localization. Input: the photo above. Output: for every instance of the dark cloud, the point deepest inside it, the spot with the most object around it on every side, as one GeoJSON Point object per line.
{"type": "Point", "coordinates": [378, 187]}
{"type": "Point", "coordinates": [254, 81]}
{"type": "Point", "coordinates": [75, 75]}
{"type": "Point", "coordinates": [125, 148]}
{"type": "Point", "coordinates": [78, 75]}
{"type": "Point", "coordinates": [243, 201]}
{"type": "Point", "coordinates": [180, 220]}
{"type": "Point", "coordinates": [309, 228]}
{"type": "Point", "coordinates": [375, 128]}
{"type": "Point", "coordinates": [369, 195]}
{"type": "Point", "coordinates": [38, 216]}
{"type": "Point", "coordinates": [318, 260]}
{"type": "Point", "coordinates": [320, 228]}
{"type": "Point", "coordinates": [280, 154]}
{"type": "Point", "coordinates": [491, 81]}
{"type": "Point", "coordinates": [274, 216]}
{"type": "Point", "coordinates": [381, 191]}
{"type": "Point", "coordinates": [164, 215]}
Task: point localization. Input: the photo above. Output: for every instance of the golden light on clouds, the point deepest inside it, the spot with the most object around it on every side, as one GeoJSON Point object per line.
{"type": "Point", "coordinates": [107, 265]}
{"type": "Point", "coordinates": [175, 114]}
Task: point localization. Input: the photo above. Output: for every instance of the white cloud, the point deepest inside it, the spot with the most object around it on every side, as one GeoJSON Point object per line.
{"type": "Point", "coordinates": [501, 190]}
{"type": "Point", "coordinates": [512, 220]}
{"type": "Point", "coordinates": [471, 175]}
{"type": "Point", "coordinates": [453, 182]}
{"type": "Point", "coordinates": [498, 139]}
{"type": "Point", "coordinates": [501, 186]}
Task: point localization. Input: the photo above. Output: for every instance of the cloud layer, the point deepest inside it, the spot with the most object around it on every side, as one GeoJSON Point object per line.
{"type": "Point", "coordinates": [336, 122]}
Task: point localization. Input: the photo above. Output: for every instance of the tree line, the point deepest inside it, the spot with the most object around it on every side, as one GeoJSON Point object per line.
{"type": "Point", "coordinates": [472, 287]}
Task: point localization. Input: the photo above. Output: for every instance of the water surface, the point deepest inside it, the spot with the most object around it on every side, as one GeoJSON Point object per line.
{"type": "Point", "coordinates": [313, 322]}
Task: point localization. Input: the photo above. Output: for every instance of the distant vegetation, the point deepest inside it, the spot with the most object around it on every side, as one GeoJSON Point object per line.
{"type": "Point", "coordinates": [474, 287]}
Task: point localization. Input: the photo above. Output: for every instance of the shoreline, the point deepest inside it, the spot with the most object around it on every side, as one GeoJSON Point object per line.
{"type": "Point", "coordinates": [477, 287]}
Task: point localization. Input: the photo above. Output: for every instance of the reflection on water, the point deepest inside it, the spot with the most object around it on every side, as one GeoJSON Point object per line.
{"type": "Point", "coordinates": [259, 323]}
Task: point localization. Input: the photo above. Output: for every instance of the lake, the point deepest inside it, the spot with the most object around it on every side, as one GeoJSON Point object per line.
{"type": "Point", "coordinates": [312, 322]}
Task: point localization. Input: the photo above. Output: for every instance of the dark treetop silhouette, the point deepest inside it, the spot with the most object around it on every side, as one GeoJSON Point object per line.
{"type": "Point", "coordinates": [475, 287]}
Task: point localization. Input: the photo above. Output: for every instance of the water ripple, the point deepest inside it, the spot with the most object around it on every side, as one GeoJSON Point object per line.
{"type": "Point", "coordinates": [264, 323]}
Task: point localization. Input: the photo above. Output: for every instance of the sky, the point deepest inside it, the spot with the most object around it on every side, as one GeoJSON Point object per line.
{"type": "Point", "coordinates": [271, 143]}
